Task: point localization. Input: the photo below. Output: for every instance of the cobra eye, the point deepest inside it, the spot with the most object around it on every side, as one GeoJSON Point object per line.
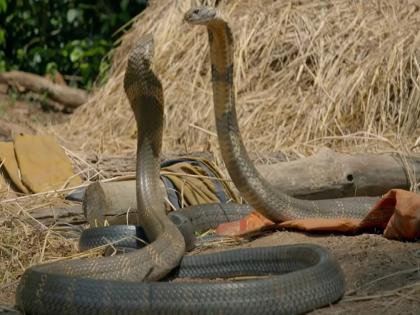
{"type": "Point", "coordinates": [196, 11]}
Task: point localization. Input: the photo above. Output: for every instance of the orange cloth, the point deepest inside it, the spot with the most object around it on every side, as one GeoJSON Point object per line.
{"type": "Point", "coordinates": [397, 214]}
{"type": "Point", "coordinates": [253, 222]}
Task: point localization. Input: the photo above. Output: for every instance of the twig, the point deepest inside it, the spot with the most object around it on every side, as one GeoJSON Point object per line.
{"type": "Point", "coordinates": [203, 130]}
{"type": "Point", "coordinates": [375, 296]}
{"type": "Point", "coordinates": [57, 191]}
{"type": "Point", "coordinates": [382, 278]}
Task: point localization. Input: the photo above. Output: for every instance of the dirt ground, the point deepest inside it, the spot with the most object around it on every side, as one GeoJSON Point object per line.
{"type": "Point", "coordinates": [20, 116]}
{"type": "Point", "coordinates": [382, 276]}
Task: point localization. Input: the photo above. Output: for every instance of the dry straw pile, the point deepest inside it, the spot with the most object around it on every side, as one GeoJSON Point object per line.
{"type": "Point", "coordinates": [308, 73]}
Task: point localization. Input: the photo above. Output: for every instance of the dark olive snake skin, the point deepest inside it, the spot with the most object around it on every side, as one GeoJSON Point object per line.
{"type": "Point", "coordinates": [53, 288]}
{"type": "Point", "coordinates": [274, 204]}
{"type": "Point", "coordinates": [303, 277]}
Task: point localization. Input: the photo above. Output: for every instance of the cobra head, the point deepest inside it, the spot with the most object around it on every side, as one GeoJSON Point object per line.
{"type": "Point", "coordinates": [139, 78]}
{"type": "Point", "coordinates": [200, 15]}
{"type": "Point", "coordinates": [142, 53]}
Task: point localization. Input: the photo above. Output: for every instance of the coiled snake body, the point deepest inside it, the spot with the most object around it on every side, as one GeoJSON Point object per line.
{"type": "Point", "coordinates": [304, 277]}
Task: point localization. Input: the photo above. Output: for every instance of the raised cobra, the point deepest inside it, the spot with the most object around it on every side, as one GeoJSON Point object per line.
{"type": "Point", "coordinates": [303, 277]}
{"type": "Point", "coordinates": [272, 203]}
{"type": "Point", "coordinates": [92, 280]}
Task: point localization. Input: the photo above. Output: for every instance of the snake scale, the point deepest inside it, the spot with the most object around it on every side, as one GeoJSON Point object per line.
{"type": "Point", "coordinates": [303, 277]}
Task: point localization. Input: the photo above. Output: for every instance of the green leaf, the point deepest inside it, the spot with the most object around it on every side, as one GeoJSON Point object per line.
{"type": "Point", "coordinates": [72, 14]}
{"type": "Point", "coordinates": [51, 68]}
{"type": "Point", "coordinates": [76, 54]}
{"type": "Point", "coordinates": [2, 66]}
{"type": "Point", "coordinates": [21, 54]}
{"type": "Point", "coordinates": [26, 15]}
{"type": "Point", "coordinates": [3, 5]}
{"type": "Point", "coordinates": [84, 66]}
{"type": "Point", "coordinates": [124, 4]}
{"type": "Point", "coordinates": [2, 37]}
{"type": "Point", "coordinates": [75, 38]}
{"type": "Point", "coordinates": [37, 58]}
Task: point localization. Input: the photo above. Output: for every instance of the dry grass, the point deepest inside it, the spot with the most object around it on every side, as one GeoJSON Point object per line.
{"type": "Point", "coordinates": [308, 73]}
{"type": "Point", "coordinates": [25, 241]}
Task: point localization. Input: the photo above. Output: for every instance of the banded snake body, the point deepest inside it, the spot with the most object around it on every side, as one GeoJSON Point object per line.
{"type": "Point", "coordinates": [304, 277]}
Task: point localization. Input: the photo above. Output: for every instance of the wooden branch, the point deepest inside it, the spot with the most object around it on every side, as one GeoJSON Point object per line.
{"type": "Point", "coordinates": [47, 102]}
{"type": "Point", "coordinates": [70, 97]}
{"type": "Point", "coordinates": [102, 200]}
{"type": "Point", "coordinates": [329, 174]}
{"type": "Point", "coordinates": [322, 175]}
{"type": "Point", "coordinates": [70, 214]}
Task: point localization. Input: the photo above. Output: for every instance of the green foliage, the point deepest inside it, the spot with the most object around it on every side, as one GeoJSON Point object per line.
{"type": "Point", "coordinates": [69, 36]}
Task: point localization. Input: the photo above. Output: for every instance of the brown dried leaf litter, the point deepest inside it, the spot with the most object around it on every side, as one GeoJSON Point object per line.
{"type": "Point", "coordinates": [308, 73]}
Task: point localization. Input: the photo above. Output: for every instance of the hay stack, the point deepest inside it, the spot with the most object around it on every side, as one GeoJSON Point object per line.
{"type": "Point", "coordinates": [308, 73]}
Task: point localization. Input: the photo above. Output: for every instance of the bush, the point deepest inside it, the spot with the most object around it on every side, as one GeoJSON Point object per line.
{"type": "Point", "coordinates": [71, 36]}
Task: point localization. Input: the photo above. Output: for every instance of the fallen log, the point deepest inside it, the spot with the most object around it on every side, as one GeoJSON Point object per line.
{"type": "Point", "coordinates": [73, 215]}
{"type": "Point", "coordinates": [327, 174]}
{"type": "Point", "coordinates": [323, 175]}
{"type": "Point", "coordinates": [104, 200]}
{"type": "Point", "coordinates": [59, 215]}
{"type": "Point", "coordinates": [65, 95]}
{"type": "Point", "coordinates": [108, 201]}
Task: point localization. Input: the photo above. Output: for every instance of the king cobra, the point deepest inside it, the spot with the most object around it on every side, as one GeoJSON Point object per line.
{"type": "Point", "coordinates": [302, 277]}
{"type": "Point", "coordinates": [272, 203]}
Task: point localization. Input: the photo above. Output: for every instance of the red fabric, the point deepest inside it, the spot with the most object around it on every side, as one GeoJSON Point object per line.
{"type": "Point", "coordinates": [253, 222]}
{"type": "Point", "coordinates": [399, 211]}
{"type": "Point", "coordinates": [397, 214]}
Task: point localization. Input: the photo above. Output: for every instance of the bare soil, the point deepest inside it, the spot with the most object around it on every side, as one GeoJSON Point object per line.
{"type": "Point", "coordinates": [20, 116]}
{"type": "Point", "coordinates": [383, 276]}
